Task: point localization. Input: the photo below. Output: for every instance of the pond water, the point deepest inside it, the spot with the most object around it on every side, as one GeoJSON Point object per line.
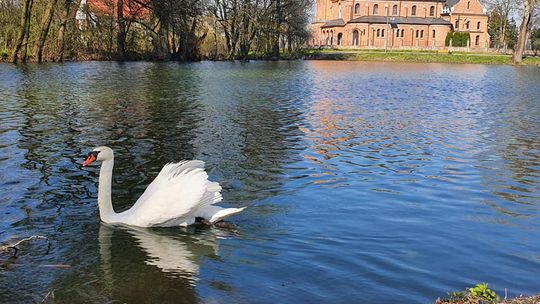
{"type": "Point", "coordinates": [366, 182]}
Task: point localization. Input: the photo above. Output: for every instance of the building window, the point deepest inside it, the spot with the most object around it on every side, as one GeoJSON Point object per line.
{"type": "Point", "coordinates": [433, 34]}
{"type": "Point", "coordinates": [468, 4]}
{"type": "Point", "coordinates": [397, 33]}
{"type": "Point", "coordinates": [467, 25]}
{"type": "Point", "coordinates": [339, 38]}
{"type": "Point", "coordinates": [382, 33]}
{"type": "Point", "coordinates": [357, 8]}
{"type": "Point", "coordinates": [417, 33]}
{"type": "Point", "coordinates": [376, 9]}
{"type": "Point", "coordinates": [432, 11]}
{"type": "Point", "coordinates": [478, 25]}
{"type": "Point", "coordinates": [402, 33]}
{"type": "Point", "coordinates": [394, 9]}
{"type": "Point", "coordinates": [477, 40]}
{"type": "Point", "coordinates": [355, 36]}
{"type": "Point", "coordinates": [413, 10]}
{"type": "Point", "coordinates": [378, 32]}
{"type": "Point", "coordinates": [422, 34]}
{"type": "Point", "coordinates": [456, 27]}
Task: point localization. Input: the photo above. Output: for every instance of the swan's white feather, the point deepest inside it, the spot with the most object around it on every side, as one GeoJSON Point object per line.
{"type": "Point", "coordinates": [179, 193]}
{"type": "Point", "coordinates": [215, 213]}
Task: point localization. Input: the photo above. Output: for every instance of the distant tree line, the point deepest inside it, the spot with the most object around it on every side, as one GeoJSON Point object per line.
{"type": "Point", "coordinates": [183, 30]}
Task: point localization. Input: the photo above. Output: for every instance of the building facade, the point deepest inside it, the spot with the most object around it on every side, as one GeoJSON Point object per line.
{"type": "Point", "coordinates": [398, 24]}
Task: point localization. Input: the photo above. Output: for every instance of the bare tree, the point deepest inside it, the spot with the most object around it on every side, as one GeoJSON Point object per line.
{"type": "Point", "coordinates": [524, 29]}
{"type": "Point", "coordinates": [500, 12]}
{"type": "Point", "coordinates": [45, 26]}
{"type": "Point", "coordinates": [24, 32]}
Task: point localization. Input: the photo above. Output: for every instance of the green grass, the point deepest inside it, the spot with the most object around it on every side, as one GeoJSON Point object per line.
{"type": "Point", "coordinates": [415, 56]}
{"type": "Point", "coordinates": [328, 51]}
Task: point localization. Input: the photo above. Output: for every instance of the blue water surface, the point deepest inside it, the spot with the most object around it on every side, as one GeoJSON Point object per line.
{"type": "Point", "coordinates": [366, 182]}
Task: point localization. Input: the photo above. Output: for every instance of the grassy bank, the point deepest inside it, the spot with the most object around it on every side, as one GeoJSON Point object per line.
{"type": "Point", "coordinates": [414, 56]}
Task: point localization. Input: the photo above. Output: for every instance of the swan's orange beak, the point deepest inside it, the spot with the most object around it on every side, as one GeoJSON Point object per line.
{"type": "Point", "coordinates": [92, 156]}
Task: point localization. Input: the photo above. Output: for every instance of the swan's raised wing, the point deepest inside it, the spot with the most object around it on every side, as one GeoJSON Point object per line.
{"type": "Point", "coordinates": [175, 195]}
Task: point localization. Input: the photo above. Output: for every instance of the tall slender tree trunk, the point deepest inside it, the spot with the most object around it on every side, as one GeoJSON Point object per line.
{"type": "Point", "coordinates": [61, 36]}
{"type": "Point", "coordinates": [121, 35]}
{"type": "Point", "coordinates": [502, 38]}
{"type": "Point", "coordinates": [69, 14]}
{"type": "Point", "coordinates": [275, 45]}
{"type": "Point", "coordinates": [45, 26]}
{"type": "Point", "coordinates": [22, 41]}
{"type": "Point", "coordinates": [524, 29]}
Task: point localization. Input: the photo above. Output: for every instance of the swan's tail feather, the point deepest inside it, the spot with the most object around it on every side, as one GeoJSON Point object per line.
{"type": "Point", "coordinates": [215, 213]}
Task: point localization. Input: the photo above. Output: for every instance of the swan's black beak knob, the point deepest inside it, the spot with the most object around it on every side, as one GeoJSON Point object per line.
{"type": "Point", "coordinates": [90, 158]}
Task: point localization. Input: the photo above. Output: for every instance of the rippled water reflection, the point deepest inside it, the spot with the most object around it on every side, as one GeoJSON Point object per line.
{"type": "Point", "coordinates": [366, 181]}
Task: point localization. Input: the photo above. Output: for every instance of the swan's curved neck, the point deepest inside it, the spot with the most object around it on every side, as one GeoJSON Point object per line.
{"type": "Point", "coordinates": [106, 211]}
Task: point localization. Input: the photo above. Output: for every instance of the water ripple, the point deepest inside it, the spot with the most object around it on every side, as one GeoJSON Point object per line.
{"type": "Point", "coordinates": [366, 181]}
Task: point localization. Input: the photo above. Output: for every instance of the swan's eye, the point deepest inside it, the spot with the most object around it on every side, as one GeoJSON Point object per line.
{"type": "Point", "coordinates": [90, 158]}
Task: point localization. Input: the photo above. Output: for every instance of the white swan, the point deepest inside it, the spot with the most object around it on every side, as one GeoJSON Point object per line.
{"type": "Point", "coordinates": [180, 195]}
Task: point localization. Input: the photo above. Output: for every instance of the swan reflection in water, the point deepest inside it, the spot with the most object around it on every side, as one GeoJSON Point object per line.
{"type": "Point", "coordinates": [155, 265]}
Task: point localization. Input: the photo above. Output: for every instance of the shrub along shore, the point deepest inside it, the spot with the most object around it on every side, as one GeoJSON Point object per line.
{"type": "Point", "coordinates": [414, 56]}
{"type": "Point", "coordinates": [482, 294]}
{"type": "Point", "coordinates": [419, 56]}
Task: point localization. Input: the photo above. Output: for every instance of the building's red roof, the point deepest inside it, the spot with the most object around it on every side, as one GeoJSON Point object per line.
{"type": "Point", "coordinates": [131, 8]}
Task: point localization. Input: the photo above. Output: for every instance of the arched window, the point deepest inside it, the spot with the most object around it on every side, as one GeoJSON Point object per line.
{"type": "Point", "coordinates": [432, 11]}
{"type": "Point", "coordinates": [433, 34]}
{"type": "Point", "coordinates": [477, 40]}
{"type": "Point", "coordinates": [394, 9]}
{"type": "Point", "coordinates": [397, 33]}
{"type": "Point", "coordinates": [422, 34]}
{"type": "Point", "coordinates": [468, 4]}
{"type": "Point", "coordinates": [378, 32]}
{"type": "Point", "coordinates": [467, 25]}
{"type": "Point", "coordinates": [382, 33]}
{"type": "Point", "coordinates": [413, 10]}
{"type": "Point", "coordinates": [376, 9]}
{"type": "Point", "coordinates": [478, 25]}
{"type": "Point", "coordinates": [417, 33]}
{"type": "Point", "coordinates": [339, 38]}
{"type": "Point", "coordinates": [402, 33]}
{"type": "Point", "coordinates": [357, 8]}
{"type": "Point", "coordinates": [355, 36]}
{"type": "Point", "coordinates": [456, 27]}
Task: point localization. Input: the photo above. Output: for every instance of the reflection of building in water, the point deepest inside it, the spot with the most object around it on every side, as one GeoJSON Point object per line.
{"type": "Point", "coordinates": [330, 128]}
{"type": "Point", "coordinates": [143, 265]}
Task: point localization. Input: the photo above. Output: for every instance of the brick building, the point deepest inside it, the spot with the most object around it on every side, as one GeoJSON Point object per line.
{"type": "Point", "coordinates": [397, 24]}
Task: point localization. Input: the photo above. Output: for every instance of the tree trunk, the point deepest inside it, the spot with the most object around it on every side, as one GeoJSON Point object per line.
{"type": "Point", "coordinates": [524, 29]}
{"type": "Point", "coordinates": [502, 38]}
{"type": "Point", "coordinates": [61, 34]}
{"type": "Point", "coordinates": [45, 26]}
{"type": "Point", "coordinates": [121, 36]}
{"type": "Point", "coordinates": [275, 46]}
{"type": "Point", "coordinates": [22, 41]}
{"type": "Point", "coordinates": [68, 14]}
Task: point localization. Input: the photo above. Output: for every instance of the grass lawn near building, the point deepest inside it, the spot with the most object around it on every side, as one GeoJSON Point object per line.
{"type": "Point", "coordinates": [413, 56]}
